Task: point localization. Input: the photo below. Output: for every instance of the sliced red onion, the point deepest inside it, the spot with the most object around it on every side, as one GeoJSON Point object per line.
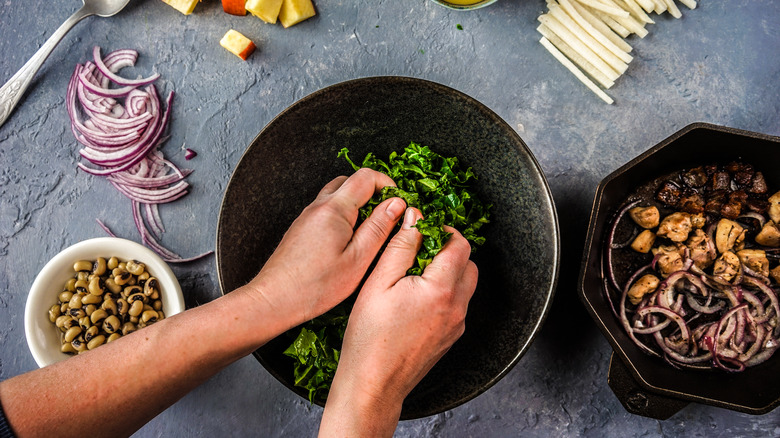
{"type": "Point", "coordinates": [121, 131]}
{"type": "Point", "coordinates": [189, 154]}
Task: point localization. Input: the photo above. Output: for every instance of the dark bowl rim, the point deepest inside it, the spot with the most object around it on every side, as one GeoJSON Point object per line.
{"type": "Point", "coordinates": [518, 142]}
{"type": "Point", "coordinates": [589, 241]}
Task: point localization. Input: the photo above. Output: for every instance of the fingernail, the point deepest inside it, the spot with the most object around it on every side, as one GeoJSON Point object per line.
{"type": "Point", "coordinates": [409, 218]}
{"type": "Point", "coordinates": [395, 208]}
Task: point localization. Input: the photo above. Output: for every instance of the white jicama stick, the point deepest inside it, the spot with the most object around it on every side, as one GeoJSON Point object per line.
{"type": "Point", "coordinates": [636, 11]}
{"type": "Point", "coordinates": [660, 6]}
{"type": "Point", "coordinates": [672, 8]}
{"type": "Point", "coordinates": [574, 70]}
{"type": "Point", "coordinates": [609, 21]}
{"type": "Point", "coordinates": [629, 23]}
{"type": "Point", "coordinates": [647, 5]}
{"type": "Point", "coordinates": [598, 24]}
{"type": "Point", "coordinates": [560, 30]}
{"type": "Point", "coordinates": [575, 57]}
{"type": "Point", "coordinates": [619, 63]}
{"type": "Point", "coordinates": [691, 4]}
{"type": "Point", "coordinates": [607, 9]}
{"type": "Point", "coordinates": [593, 32]}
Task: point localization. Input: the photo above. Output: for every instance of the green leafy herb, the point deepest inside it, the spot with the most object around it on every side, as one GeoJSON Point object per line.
{"type": "Point", "coordinates": [459, 26]}
{"type": "Point", "coordinates": [442, 191]}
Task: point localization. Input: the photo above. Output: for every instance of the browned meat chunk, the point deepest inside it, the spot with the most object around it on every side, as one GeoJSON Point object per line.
{"type": "Point", "coordinates": [669, 259]}
{"type": "Point", "coordinates": [755, 259]}
{"type": "Point", "coordinates": [774, 207]}
{"type": "Point", "coordinates": [727, 266]}
{"type": "Point", "coordinates": [643, 242]}
{"type": "Point", "coordinates": [769, 235]}
{"type": "Point", "coordinates": [758, 184]}
{"type": "Point", "coordinates": [696, 177]}
{"type": "Point", "coordinates": [692, 202]}
{"type": "Point", "coordinates": [645, 217]}
{"type": "Point", "coordinates": [702, 250]}
{"type": "Point", "coordinates": [720, 181]}
{"type": "Point", "coordinates": [731, 210]}
{"type": "Point", "coordinates": [757, 205]}
{"type": "Point", "coordinates": [775, 273]}
{"type": "Point", "coordinates": [647, 284]}
{"type": "Point", "coordinates": [729, 235]}
{"type": "Point", "coordinates": [742, 172]}
{"type": "Point", "coordinates": [675, 227]}
{"type": "Point", "coordinates": [669, 194]}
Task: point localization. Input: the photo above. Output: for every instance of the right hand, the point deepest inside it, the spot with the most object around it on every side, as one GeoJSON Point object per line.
{"type": "Point", "coordinates": [399, 328]}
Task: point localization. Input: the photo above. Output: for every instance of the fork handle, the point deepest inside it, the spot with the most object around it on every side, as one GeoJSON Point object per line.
{"type": "Point", "coordinates": [12, 91]}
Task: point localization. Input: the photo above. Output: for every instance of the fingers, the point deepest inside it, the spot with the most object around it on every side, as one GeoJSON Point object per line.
{"type": "Point", "coordinates": [374, 231]}
{"type": "Point", "coordinates": [452, 266]}
{"type": "Point", "coordinates": [331, 186]}
{"type": "Point", "coordinates": [359, 188]}
{"type": "Point", "coordinates": [400, 253]}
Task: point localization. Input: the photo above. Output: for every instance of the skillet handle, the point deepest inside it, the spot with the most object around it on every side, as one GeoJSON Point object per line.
{"type": "Point", "coordinates": [636, 399]}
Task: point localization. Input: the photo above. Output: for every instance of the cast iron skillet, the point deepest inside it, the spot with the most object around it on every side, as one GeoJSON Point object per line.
{"type": "Point", "coordinates": [296, 154]}
{"type": "Point", "coordinates": [658, 390]}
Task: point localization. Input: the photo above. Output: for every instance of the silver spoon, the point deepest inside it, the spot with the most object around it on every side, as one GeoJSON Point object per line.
{"type": "Point", "coordinates": [12, 91]}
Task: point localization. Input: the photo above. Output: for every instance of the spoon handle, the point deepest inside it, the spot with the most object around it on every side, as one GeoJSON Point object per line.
{"type": "Point", "coordinates": [12, 91]}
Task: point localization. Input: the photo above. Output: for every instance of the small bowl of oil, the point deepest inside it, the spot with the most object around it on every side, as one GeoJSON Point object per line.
{"type": "Point", "coordinates": [464, 5]}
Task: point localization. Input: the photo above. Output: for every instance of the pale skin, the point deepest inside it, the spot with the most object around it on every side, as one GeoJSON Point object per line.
{"type": "Point", "coordinates": [400, 326]}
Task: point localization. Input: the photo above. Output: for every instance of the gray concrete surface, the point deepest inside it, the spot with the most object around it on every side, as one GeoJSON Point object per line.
{"type": "Point", "coordinates": [719, 64]}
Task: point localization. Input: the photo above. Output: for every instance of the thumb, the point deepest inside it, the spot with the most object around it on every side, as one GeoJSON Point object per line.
{"type": "Point", "coordinates": [400, 253]}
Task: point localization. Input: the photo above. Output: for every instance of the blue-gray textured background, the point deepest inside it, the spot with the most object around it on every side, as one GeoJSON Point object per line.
{"type": "Point", "coordinates": [720, 64]}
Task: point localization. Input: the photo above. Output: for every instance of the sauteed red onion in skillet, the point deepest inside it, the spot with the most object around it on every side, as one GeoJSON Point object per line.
{"type": "Point", "coordinates": [121, 130]}
{"type": "Point", "coordinates": [695, 315]}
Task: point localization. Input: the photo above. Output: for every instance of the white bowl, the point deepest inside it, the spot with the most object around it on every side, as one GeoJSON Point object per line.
{"type": "Point", "coordinates": [461, 5]}
{"type": "Point", "coordinates": [43, 337]}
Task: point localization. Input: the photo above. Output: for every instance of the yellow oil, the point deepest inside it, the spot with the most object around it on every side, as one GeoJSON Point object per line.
{"type": "Point", "coordinates": [463, 2]}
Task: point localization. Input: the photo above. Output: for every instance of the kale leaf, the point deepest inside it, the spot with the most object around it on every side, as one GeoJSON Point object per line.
{"type": "Point", "coordinates": [443, 192]}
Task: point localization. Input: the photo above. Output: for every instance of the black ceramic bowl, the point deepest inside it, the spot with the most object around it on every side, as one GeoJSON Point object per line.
{"type": "Point", "coordinates": [757, 389]}
{"type": "Point", "coordinates": [296, 154]}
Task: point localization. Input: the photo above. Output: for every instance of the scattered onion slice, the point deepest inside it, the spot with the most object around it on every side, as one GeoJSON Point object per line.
{"type": "Point", "coordinates": [121, 141]}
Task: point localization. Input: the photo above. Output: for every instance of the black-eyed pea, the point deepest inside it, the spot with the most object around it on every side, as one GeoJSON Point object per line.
{"type": "Point", "coordinates": [82, 265]}
{"type": "Point", "coordinates": [85, 323]}
{"type": "Point", "coordinates": [67, 348]}
{"type": "Point", "coordinates": [99, 267]}
{"type": "Point", "coordinates": [128, 328]}
{"type": "Point", "coordinates": [98, 315]}
{"type": "Point", "coordinates": [122, 306]}
{"type": "Point", "coordinates": [122, 266]}
{"type": "Point", "coordinates": [64, 322]}
{"type": "Point", "coordinates": [113, 337]}
{"type": "Point", "coordinates": [135, 267]}
{"type": "Point", "coordinates": [133, 319]}
{"type": "Point", "coordinates": [81, 286]}
{"type": "Point", "coordinates": [160, 315]}
{"type": "Point", "coordinates": [147, 307]}
{"type": "Point", "coordinates": [70, 285]}
{"type": "Point", "coordinates": [109, 306]}
{"type": "Point", "coordinates": [75, 301]}
{"type": "Point", "coordinates": [64, 308]}
{"type": "Point", "coordinates": [91, 299]}
{"type": "Point", "coordinates": [111, 324]}
{"type": "Point", "coordinates": [65, 296]}
{"type": "Point", "coordinates": [151, 286]}
{"type": "Point", "coordinates": [96, 342]}
{"type": "Point", "coordinates": [112, 286]}
{"type": "Point", "coordinates": [72, 333]}
{"type": "Point", "coordinates": [79, 345]}
{"type": "Point", "coordinates": [54, 312]}
{"type": "Point", "coordinates": [132, 281]}
{"type": "Point", "coordinates": [137, 297]}
{"type": "Point", "coordinates": [136, 308]}
{"type": "Point", "coordinates": [157, 305]}
{"type": "Point", "coordinates": [96, 286]}
{"type": "Point", "coordinates": [122, 278]}
{"type": "Point", "coordinates": [77, 313]}
{"type": "Point", "coordinates": [112, 263]}
{"type": "Point", "coordinates": [155, 295]}
{"type": "Point", "coordinates": [83, 276]}
{"type": "Point", "coordinates": [143, 277]}
{"type": "Point", "coordinates": [149, 316]}
{"type": "Point", "coordinates": [89, 309]}
{"type": "Point", "coordinates": [91, 333]}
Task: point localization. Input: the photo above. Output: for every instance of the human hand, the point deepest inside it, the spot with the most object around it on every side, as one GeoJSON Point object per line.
{"type": "Point", "coordinates": [399, 328]}
{"type": "Point", "coordinates": [322, 258]}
